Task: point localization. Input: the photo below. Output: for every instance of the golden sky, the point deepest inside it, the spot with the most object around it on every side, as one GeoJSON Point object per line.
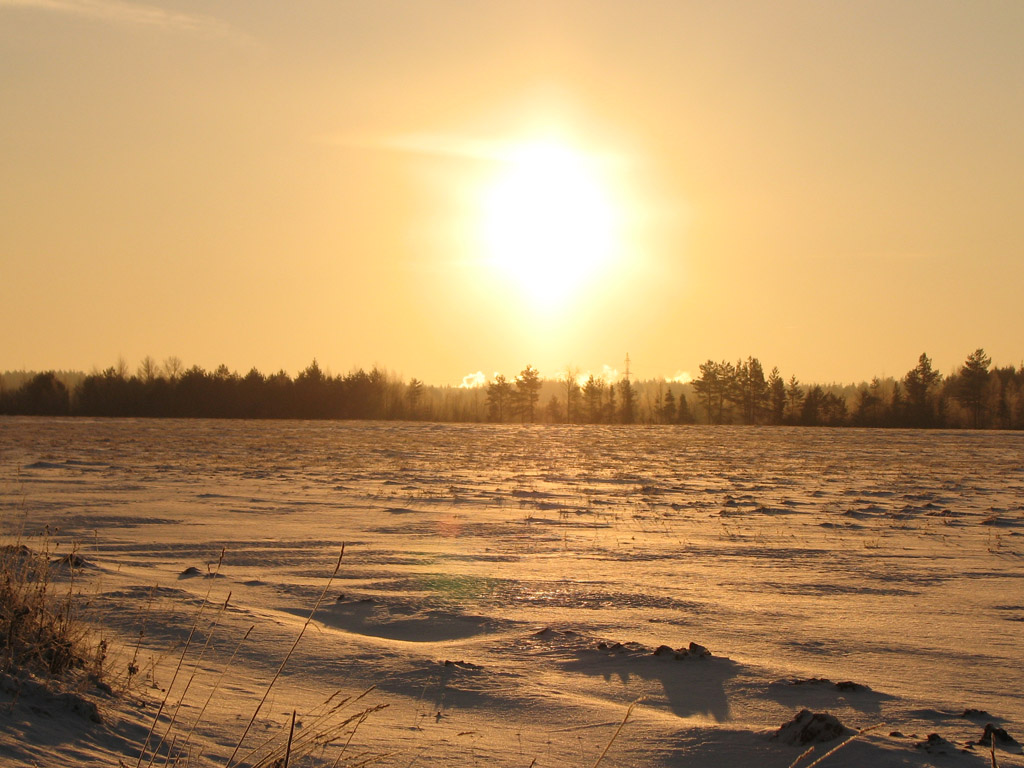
{"type": "Point", "coordinates": [448, 187]}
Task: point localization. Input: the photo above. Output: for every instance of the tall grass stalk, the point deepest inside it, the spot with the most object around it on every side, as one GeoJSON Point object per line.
{"type": "Point", "coordinates": [359, 722]}
{"type": "Point", "coordinates": [133, 667]}
{"type": "Point", "coordinates": [177, 669]}
{"type": "Point", "coordinates": [288, 749]}
{"type": "Point", "coordinates": [266, 744]}
{"type": "Point", "coordinates": [617, 732]}
{"type": "Point", "coordinates": [213, 691]}
{"type": "Point", "coordinates": [321, 732]}
{"type": "Point", "coordinates": [288, 656]}
{"type": "Point", "coordinates": [192, 677]}
{"type": "Point", "coordinates": [834, 749]}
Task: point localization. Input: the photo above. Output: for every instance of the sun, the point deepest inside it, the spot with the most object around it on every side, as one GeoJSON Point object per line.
{"type": "Point", "coordinates": [549, 222]}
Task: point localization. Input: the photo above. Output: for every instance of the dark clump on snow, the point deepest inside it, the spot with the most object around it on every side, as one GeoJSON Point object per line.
{"type": "Point", "coordinates": [343, 599]}
{"type": "Point", "coordinates": [192, 572]}
{"type": "Point", "coordinates": [810, 728]}
{"type": "Point", "coordinates": [18, 550]}
{"type": "Point", "coordinates": [71, 560]}
{"type": "Point", "coordinates": [694, 651]}
{"type": "Point", "coordinates": [1000, 736]}
{"type": "Point", "coordinates": [849, 685]}
{"type": "Point", "coordinates": [845, 685]}
{"type": "Point", "coordinates": [548, 631]}
{"type": "Point", "coordinates": [460, 664]}
{"type": "Point", "coordinates": [971, 714]}
{"type": "Point", "coordinates": [22, 562]}
{"type": "Point", "coordinates": [627, 647]}
{"type": "Point", "coordinates": [936, 745]}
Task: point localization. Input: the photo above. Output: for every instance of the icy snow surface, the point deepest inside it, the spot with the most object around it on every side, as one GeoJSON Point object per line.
{"type": "Point", "coordinates": [506, 588]}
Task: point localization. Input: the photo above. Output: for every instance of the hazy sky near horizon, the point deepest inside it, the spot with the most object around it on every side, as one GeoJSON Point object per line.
{"type": "Point", "coordinates": [832, 187]}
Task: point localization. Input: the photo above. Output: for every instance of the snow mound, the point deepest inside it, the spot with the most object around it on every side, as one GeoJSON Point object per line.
{"type": "Point", "coordinates": [811, 728]}
{"type": "Point", "coordinates": [936, 745]}
{"type": "Point", "coordinates": [1002, 739]}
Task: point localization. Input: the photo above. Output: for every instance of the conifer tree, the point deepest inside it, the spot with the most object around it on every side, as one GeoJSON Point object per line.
{"type": "Point", "coordinates": [668, 407]}
{"type": "Point", "coordinates": [776, 397]}
{"type": "Point", "coordinates": [499, 399]}
{"type": "Point", "coordinates": [627, 413]}
{"type": "Point", "coordinates": [528, 392]}
{"type": "Point", "coordinates": [593, 395]}
{"type": "Point", "coordinates": [414, 393]}
{"type": "Point", "coordinates": [794, 400]}
{"type": "Point", "coordinates": [919, 383]}
{"type": "Point", "coordinates": [972, 381]}
{"type": "Point", "coordinates": [572, 393]}
{"type": "Point", "coordinates": [683, 414]}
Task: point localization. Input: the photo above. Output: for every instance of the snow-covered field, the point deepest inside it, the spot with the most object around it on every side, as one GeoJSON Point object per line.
{"type": "Point", "coordinates": [505, 588]}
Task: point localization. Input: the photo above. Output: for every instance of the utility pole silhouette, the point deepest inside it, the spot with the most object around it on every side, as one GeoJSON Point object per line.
{"type": "Point", "coordinates": [627, 366]}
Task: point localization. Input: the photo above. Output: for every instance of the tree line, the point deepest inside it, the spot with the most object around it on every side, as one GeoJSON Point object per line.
{"type": "Point", "coordinates": [976, 395]}
{"type": "Point", "coordinates": [173, 391]}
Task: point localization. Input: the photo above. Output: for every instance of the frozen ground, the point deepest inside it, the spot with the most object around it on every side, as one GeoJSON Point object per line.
{"type": "Point", "coordinates": [490, 572]}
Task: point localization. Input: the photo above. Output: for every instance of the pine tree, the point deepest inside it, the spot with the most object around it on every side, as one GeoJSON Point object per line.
{"type": "Point", "coordinates": [528, 392]}
{"type": "Point", "coordinates": [572, 394]}
{"type": "Point", "coordinates": [611, 409]}
{"type": "Point", "coordinates": [683, 415]}
{"type": "Point", "coordinates": [708, 387]}
{"type": "Point", "coordinates": [919, 382]}
{"type": "Point", "coordinates": [499, 399]}
{"type": "Point", "coordinates": [776, 397]}
{"type": "Point", "coordinates": [794, 400]}
{"type": "Point", "coordinates": [414, 393]}
{"type": "Point", "coordinates": [593, 395]}
{"type": "Point", "coordinates": [668, 407]}
{"type": "Point", "coordinates": [972, 381]}
{"type": "Point", "coordinates": [627, 413]}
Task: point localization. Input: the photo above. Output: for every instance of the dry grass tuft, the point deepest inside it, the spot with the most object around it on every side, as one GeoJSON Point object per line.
{"type": "Point", "coordinates": [40, 632]}
{"type": "Point", "coordinates": [44, 642]}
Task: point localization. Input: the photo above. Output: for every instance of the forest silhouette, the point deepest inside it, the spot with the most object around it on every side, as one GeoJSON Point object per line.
{"type": "Point", "coordinates": [975, 396]}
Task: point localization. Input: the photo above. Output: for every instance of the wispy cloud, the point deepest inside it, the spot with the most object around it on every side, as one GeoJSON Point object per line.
{"type": "Point", "coordinates": [681, 377]}
{"type": "Point", "coordinates": [610, 374]}
{"type": "Point", "coordinates": [607, 375]}
{"type": "Point", "coordinates": [473, 380]}
{"type": "Point", "coordinates": [121, 12]}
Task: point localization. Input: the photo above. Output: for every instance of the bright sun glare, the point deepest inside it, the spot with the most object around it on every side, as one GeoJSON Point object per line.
{"type": "Point", "coordinates": [549, 222]}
